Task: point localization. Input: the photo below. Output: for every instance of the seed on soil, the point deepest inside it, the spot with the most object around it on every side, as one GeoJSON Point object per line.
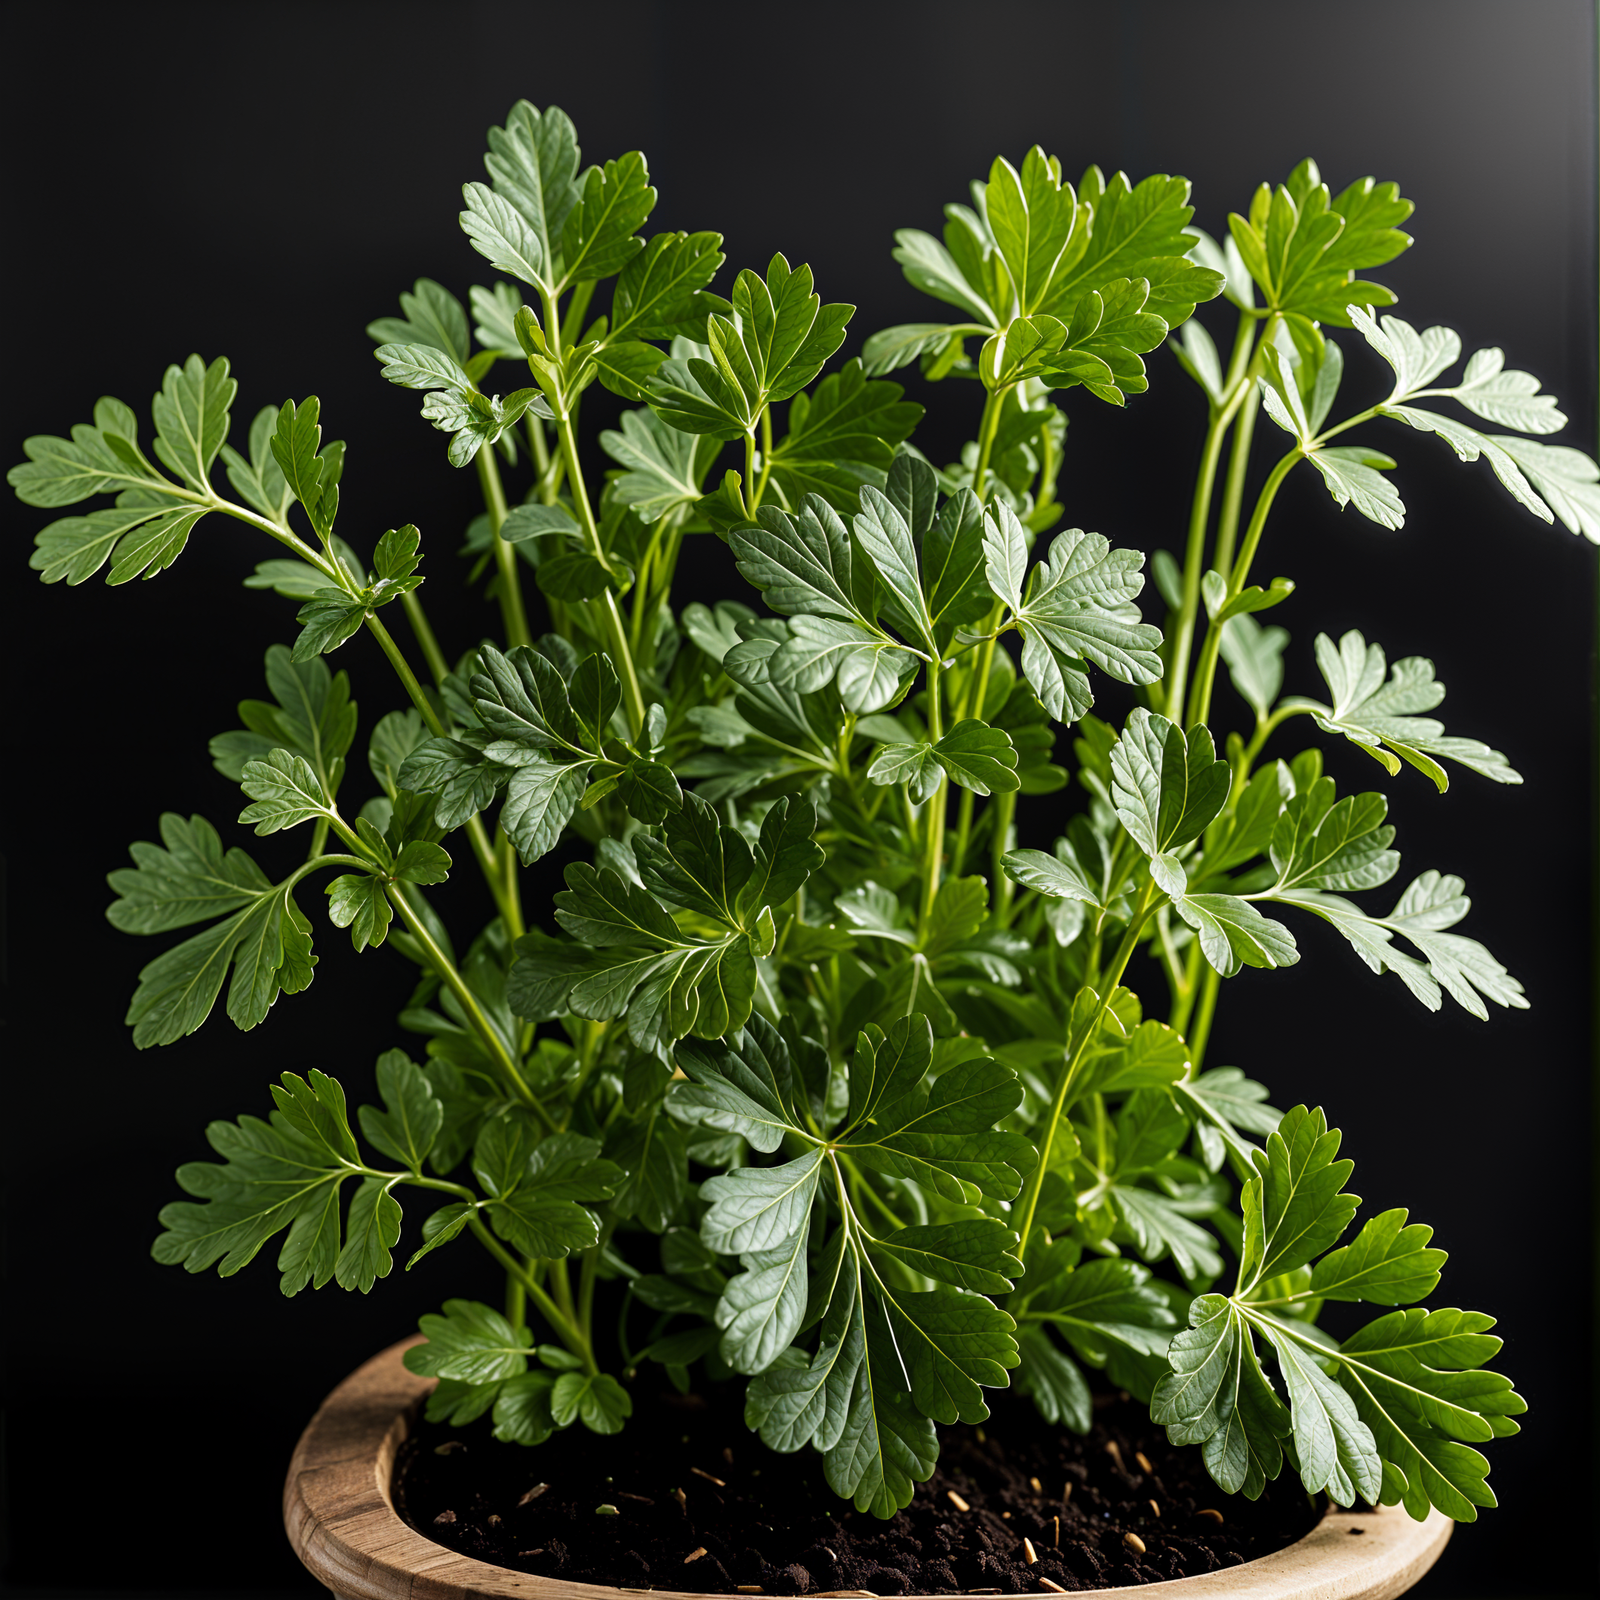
{"type": "Point", "coordinates": [707, 1476]}
{"type": "Point", "coordinates": [1038, 1488]}
{"type": "Point", "coordinates": [959, 1504]}
{"type": "Point", "coordinates": [1056, 1541]}
{"type": "Point", "coordinates": [1114, 1450]}
{"type": "Point", "coordinates": [450, 1447]}
{"type": "Point", "coordinates": [1005, 1516]}
{"type": "Point", "coordinates": [1154, 1508]}
{"type": "Point", "coordinates": [643, 1499]}
{"type": "Point", "coordinates": [750, 1588]}
{"type": "Point", "coordinates": [1066, 1491]}
{"type": "Point", "coordinates": [606, 1511]}
{"type": "Point", "coordinates": [1029, 1552]}
{"type": "Point", "coordinates": [533, 1494]}
{"type": "Point", "coordinates": [494, 1519]}
{"type": "Point", "coordinates": [538, 1552]}
{"type": "Point", "coordinates": [445, 1519]}
{"type": "Point", "coordinates": [1143, 1460]}
{"type": "Point", "coordinates": [984, 1591]}
{"type": "Point", "coordinates": [983, 1438]}
{"type": "Point", "coordinates": [1054, 1588]}
{"type": "Point", "coordinates": [1206, 1511]}
{"type": "Point", "coordinates": [1134, 1543]}
{"type": "Point", "coordinates": [695, 1554]}
{"type": "Point", "coordinates": [727, 1454]}
{"type": "Point", "coordinates": [681, 1498]}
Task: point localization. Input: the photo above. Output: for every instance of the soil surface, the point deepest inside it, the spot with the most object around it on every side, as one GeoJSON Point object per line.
{"type": "Point", "coordinates": [686, 1497]}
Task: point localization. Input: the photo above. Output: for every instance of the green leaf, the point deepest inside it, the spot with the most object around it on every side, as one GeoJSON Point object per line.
{"type": "Point", "coordinates": [533, 162]}
{"type": "Point", "coordinates": [284, 1173]}
{"type": "Point", "coordinates": [286, 792]}
{"type": "Point", "coordinates": [190, 880]}
{"type": "Point", "coordinates": [1375, 714]}
{"type": "Point", "coordinates": [412, 1114]}
{"type": "Point", "coordinates": [841, 436]}
{"type": "Point", "coordinates": [371, 1232]}
{"type": "Point", "coordinates": [742, 1086]}
{"type": "Point", "coordinates": [266, 940]}
{"type": "Point", "coordinates": [1079, 607]}
{"type": "Point", "coordinates": [1432, 903]}
{"type": "Point", "coordinates": [191, 417]}
{"type": "Point", "coordinates": [1568, 480]}
{"type": "Point", "coordinates": [772, 346]}
{"type": "Point", "coordinates": [659, 293]}
{"type": "Point", "coordinates": [977, 1255]}
{"type": "Point", "coordinates": [1168, 787]}
{"type": "Point", "coordinates": [471, 1343]}
{"type": "Point", "coordinates": [430, 315]}
{"type": "Point", "coordinates": [1352, 476]}
{"type": "Point", "coordinates": [358, 902]}
{"type": "Point", "coordinates": [661, 467]}
{"type": "Point", "coordinates": [310, 716]}
{"type": "Point", "coordinates": [755, 1209]}
{"type": "Point", "coordinates": [259, 480]}
{"type": "Point", "coordinates": [597, 1399]}
{"type": "Point", "coordinates": [1233, 933]}
{"type": "Point", "coordinates": [1388, 1263]}
{"type": "Point", "coordinates": [1255, 660]}
{"type": "Point", "coordinates": [1304, 247]}
{"type": "Point", "coordinates": [503, 236]}
{"type": "Point", "coordinates": [1217, 1395]}
{"type": "Point", "coordinates": [1225, 1101]}
{"type": "Point", "coordinates": [1320, 844]}
{"type": "Point", "coordinates": [1294, 1207]}
{"type": "Point", "coordinates": [1416, 1382]}
{"type": "Point", "coordinates": [598, 237]}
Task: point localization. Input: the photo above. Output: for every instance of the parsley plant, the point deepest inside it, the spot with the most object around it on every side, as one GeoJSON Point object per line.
{"type": "Point", "coordinates": [833, 1084]}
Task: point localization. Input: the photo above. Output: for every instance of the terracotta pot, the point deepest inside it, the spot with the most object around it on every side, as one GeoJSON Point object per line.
{"type": "Point", "coordinates": [342, 1525]}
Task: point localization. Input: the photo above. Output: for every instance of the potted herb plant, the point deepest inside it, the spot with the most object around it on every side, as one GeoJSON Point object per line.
{"type": "Point", "coordinates": [815, 1078]}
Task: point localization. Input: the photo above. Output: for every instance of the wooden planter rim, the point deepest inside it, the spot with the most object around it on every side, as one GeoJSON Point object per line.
{"type": "Point", "coordinates": [343, 1526]}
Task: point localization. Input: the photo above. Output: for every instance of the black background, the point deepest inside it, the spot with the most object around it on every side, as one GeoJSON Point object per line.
{"type": "Point", "coordinates": [262, 180]}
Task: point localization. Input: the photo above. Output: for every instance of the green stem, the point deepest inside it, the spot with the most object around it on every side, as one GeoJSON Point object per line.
{"type": "Point", "coordinates": [567, 1330]}
{"type": "Point", "coordinates": [766, 456]}
{"type": "Point", "coordinates": [1200, 1034]}
{"type": "Point", "coordinates": [1200, 694]}
{"type": "Point", "coordinates": [611, 618]}
{"type": "Point", "coordinates": [407, 677]}
{"type": "Point", "coordinates": [512, 616]}
{"type": "Point", "coordinates": [516, 1302]}
{"type": "Point", "coordinates": [453, 981]}
{"type": "Point", "coordinates": [958, 853]}
{"type": "Point", "coordinates": [1238, 470]}
{"type": "Point", "coordinates": [505, 895]}
{"type": "Point", "coordinates": [508, 896]}
{"type": "Point", "coordinates": [1005, 808]}
{"type": "Point", "coordinates": [431, 653]}
{"type": "Point", "coordinates": [1130, 940]}
{"type": "Point", "coordinates": [986, 432]}
{"type": "Point", "coordinates": [934, 810]}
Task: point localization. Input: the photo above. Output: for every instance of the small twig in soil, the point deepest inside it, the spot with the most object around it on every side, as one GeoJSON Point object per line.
{"type": "Point", "coordinates": [533, 1494]}
{"type": "Point", "coordinates": [1114, 1450]}
{"type": "Point", "coordinates": [1054, 1588]}
{"type": "Point", "coordinates": [707, 1476]}
{"type": "Point", "coordinates": [1038, 1488]}
{"type": "Point", "coordinates": [1056, 1542]}
{"type": "Point", "coordinates": [1143, 1460]}
{"type": "Point", "coordinates": [695, 1554]}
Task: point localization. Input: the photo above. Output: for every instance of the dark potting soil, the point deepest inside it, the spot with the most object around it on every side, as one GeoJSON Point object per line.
{"type": "Point", "coordinates": [686, 1497]}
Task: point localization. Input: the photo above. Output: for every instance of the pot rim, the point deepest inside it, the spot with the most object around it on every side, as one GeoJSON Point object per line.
{"type": "Point", "coordinates": [344, 1528]}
